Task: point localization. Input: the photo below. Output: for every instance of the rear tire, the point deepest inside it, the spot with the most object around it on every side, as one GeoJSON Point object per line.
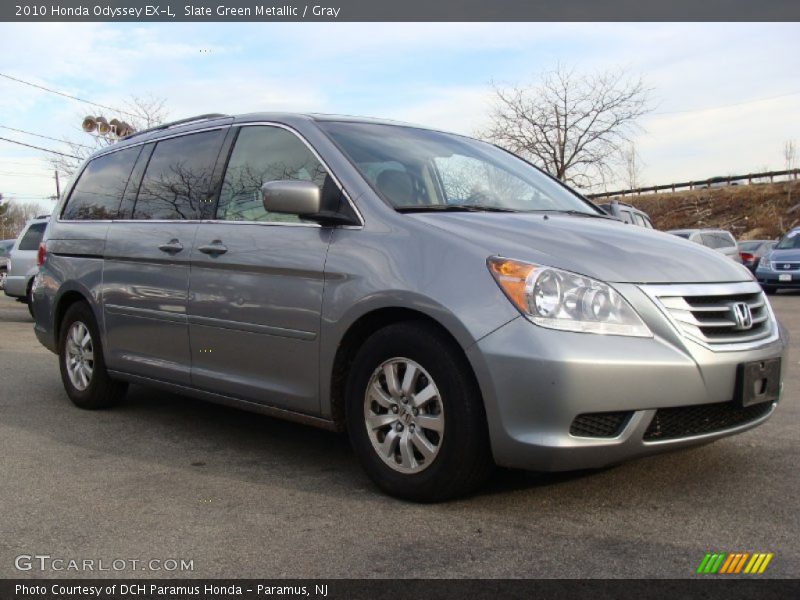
{"type": "Point", "coordinates": [80, 354]}
{"type": "Point", "coordinates": [769, 290]}
{"type": "Point", "coordinates": [415, 415]}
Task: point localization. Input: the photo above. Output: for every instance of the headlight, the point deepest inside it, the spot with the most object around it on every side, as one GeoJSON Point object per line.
{"type": "Point", "coordinates": [764, 262]}
{"type": "Point", "coordinates": [567, 301]}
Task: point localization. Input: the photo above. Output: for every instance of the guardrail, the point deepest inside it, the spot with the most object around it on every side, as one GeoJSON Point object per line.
{"type": "Point", "coordinates": [705, 183]}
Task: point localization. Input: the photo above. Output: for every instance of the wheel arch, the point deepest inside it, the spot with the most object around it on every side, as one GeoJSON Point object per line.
{"type": "Point", "coordinates": [65, 300]}
{"type": "Point", "coordinates": [359, 331]}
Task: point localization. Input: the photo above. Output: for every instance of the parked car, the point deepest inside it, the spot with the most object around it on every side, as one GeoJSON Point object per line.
{"type": "Point", "coordinates": [720, 240]}
{"type": "Point", "coordinates": [5, 248]}
{"type": "Point", "coordinates": [22, 261]}
{"type": "Point", "coordinates": [719, 181]}
{"type": "Point", "coordinates": [627, 213]}
{"type": "Point", "coordinates": [751, 252]}
{"type": "Point", "coordinates": [780, 269]}
{"type": "Point", "coordinates": [448, 304]}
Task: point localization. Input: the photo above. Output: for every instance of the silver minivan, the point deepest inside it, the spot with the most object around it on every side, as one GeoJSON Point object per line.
{"type": "Point", "coordinates": [446, 303]}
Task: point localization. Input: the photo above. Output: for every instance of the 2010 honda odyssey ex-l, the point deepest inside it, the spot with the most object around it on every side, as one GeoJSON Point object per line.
{"type": "Point", "coordinates": [445, 302]}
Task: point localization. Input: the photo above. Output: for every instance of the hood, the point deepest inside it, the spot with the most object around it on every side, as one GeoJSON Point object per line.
{"type": "Point", "coordinates": [788, 255]}
{"type": "Point", "coordinates": [603, 249]}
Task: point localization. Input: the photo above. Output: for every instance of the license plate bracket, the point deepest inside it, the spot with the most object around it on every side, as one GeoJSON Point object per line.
{"type": "Point", "coordinates": [785, 277]}
{"type": "Point", "coordinates": [758, 381]}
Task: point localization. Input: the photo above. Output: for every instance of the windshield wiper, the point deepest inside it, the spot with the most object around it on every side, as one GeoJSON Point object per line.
{"type": "Point", "coordinates": [576, 213]}
{"type": "Point", "coordinates": [453, 208]}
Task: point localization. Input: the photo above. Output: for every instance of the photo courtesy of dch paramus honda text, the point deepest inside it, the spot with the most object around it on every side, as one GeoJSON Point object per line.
{"type": "Point", "coordinates": [446, 303]}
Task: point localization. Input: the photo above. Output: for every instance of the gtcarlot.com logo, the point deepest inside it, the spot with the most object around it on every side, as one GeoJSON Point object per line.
{"type": "Point", "coordinates": [734, 563]}
{"type": "Point", "coordinates": [45, 562]}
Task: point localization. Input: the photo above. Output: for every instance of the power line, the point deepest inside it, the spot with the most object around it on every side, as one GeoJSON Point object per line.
{"type": "Point", "coordinates": [52, 91]}
{"type": "Point", "coordinates": [44, 137]}
{"type": "Point", "coordinates": [39, 148]}
{"type": "Point", "coordinates": [4, 162]}
{"type": "Point", "coordinates": [27, 174]}
{"type": "Point", "coordinates": [755, 100]}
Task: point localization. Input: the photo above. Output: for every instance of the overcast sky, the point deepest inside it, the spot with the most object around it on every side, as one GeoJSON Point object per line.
{"type": "Point", "coordinates": [726, 96]}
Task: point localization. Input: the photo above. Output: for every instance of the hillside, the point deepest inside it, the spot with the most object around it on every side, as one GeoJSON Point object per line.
{"type": "Point", "coordinates": [756, 211]}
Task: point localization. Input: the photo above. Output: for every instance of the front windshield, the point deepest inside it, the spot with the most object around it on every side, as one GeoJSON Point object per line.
{"type": "Point", "coordinates": [417, 169]}
{"type": "Point", "coordinates": [790, 241]}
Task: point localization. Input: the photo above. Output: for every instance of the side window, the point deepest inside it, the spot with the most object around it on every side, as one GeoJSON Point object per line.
{"type": "Point", "coordinates": [261, 154]}
{"type": "Point", "coordinates": [178, 177]}
{"type": "Point", "coordinates": [626, 216]}
{"type": "Point", "coordinates": [32, 237]}
{"type": "Point", "coordinates": [639, 220]}
{"type": "Point", "coordinates": [713, 240]}
{"type": "Point", "coordinates": [99, 190]}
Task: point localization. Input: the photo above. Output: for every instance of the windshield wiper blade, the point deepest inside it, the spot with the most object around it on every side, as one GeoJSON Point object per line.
{"type": "Point", "coordinates": [576, 213]}
{"type": "Point", "coordinates": [453, 208]}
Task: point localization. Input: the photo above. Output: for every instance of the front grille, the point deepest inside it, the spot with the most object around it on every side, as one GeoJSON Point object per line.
{"type": "Point", "coordinates": [599, 425]}
{"type": "Point", "coordinates": [686, 421]}
{"type": "Point", "coordinates": [711, 318]}
{"type": "Point", "coordinates": [785, 266]}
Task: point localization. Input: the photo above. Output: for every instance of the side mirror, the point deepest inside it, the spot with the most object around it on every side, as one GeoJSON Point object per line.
{"type": "Point", "coordinates": [291, 197]}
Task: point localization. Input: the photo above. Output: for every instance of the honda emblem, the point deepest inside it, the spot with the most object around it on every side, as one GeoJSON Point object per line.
{"type": "Point", "coordinates": [742, 315]}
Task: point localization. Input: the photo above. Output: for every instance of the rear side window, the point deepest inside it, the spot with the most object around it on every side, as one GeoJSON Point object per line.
{"type": "Point", "coordinates": [32, 237]}
{"type": "Point", "coordinates": [639, 220]}
{"type": "Point", "coordinates": [261, 154]}
{"type": "Point", "coordinates": [178, 177]}
{"type": "Point", "coordinates": [99, 190]}
{"type": "Point", "coordinates": [718, 240]}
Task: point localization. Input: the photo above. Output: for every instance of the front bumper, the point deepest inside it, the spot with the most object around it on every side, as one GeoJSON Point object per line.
{"type": "Point", "coordinates": [772, 278]}
{"type": "Point", "coordinates": [536, 381]}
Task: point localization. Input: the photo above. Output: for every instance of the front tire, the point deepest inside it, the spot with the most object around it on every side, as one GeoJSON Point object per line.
{"type": "Point", "coordinates": [83, 370]}
{"type": "Point", "coordinates": [769, 290]}
{"type": "Point", "coordinates": [415, 415]}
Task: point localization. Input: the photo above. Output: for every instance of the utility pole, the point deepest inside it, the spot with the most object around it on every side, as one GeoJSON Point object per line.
{"type": "Point", "coordinates": [58, 186]}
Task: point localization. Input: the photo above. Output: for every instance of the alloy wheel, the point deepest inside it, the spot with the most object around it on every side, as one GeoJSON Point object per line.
{"type": "Point", "coordinates": [404, 415]}
{"type": "Point", "coordinates": [79, 356]}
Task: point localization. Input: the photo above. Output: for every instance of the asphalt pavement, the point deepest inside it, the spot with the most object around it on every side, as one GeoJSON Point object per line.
{"type": "Point", "coordinates": [164, 477]}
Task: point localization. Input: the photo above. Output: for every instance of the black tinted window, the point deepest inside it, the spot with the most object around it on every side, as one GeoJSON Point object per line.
{"type": "Point", "coordinates": [264, 154]}
{"type": "Point", "coordinates": [178, 177]}
{"type": "Point", "coordinates": [32, 237]}
{"type": "Point", "coordinates": [99, 190]}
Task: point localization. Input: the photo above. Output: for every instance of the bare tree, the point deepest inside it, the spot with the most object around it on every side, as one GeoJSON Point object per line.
{"type": "Point", "coordinates": [573, 125]}
{"type": "Point", "coordinates": [142, 112]}
{"type": "Point", "coordinates": [789, 154]}
{"type": "Point", "coordinates": [14, 215]}
{"type": "Point", "coordinates": [632, 166]}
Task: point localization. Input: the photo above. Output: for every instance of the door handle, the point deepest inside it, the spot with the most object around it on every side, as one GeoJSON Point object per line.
{"type": "Point", "coordinates": [171, 247]}
{"type": "Point", "coordinates": [215, 248]}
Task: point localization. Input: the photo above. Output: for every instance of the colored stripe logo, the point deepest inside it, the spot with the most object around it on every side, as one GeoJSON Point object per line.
{"type": "Point", "coordinates": [734, 563]}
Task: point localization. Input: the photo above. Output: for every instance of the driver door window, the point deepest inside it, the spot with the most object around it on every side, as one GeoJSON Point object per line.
{"type": "Point", "coordinates": [261, 154]}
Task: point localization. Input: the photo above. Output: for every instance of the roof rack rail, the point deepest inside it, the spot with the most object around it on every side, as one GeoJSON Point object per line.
{"type": "Point", "coordinates": [203, 117]}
